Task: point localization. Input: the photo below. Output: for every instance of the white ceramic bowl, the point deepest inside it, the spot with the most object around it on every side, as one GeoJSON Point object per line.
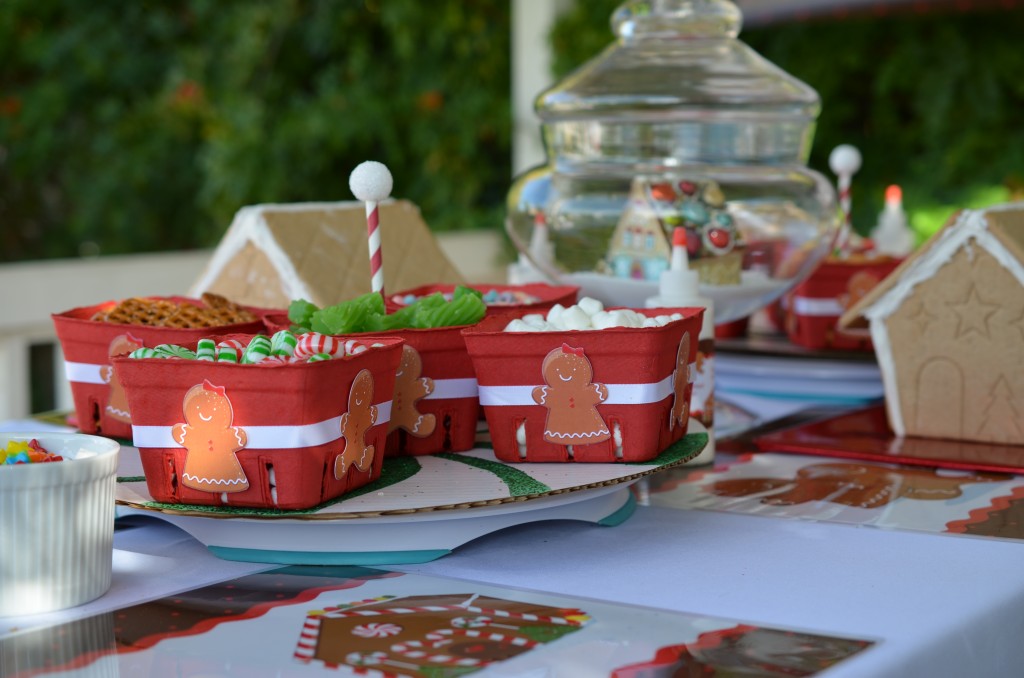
{"type": "Point", "coordinates": [57, 524]}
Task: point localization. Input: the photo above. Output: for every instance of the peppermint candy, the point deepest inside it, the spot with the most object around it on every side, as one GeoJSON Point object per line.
{"type": "Point", "coordinates": [257, 350]}
{"type": "Point", "coordinates": [172, 351]}
{"type": "Point", "coordinates": [283, 343]}
{"type": "Point", "coordinates": [377, 630]}
{"type": "Point", "coordinates": [311, 343]}
{"type": "Point", "coordinates": [319, 357]}
{"type": "Point", "coordinates": [206, 349]}
{"type": "Point", "coordinates": [353, 347]}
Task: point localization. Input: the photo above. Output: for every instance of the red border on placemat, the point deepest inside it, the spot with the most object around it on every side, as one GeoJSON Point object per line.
{"type": "Point", "coordinates": [865, 434]}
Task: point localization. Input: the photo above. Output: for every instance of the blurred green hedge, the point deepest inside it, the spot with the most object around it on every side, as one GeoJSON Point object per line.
{"type": "Point", "coordinates": [135, 126]}
{"type": "Point", "coordinates": [932, 100]}
{"type": "Point", "coordinates": [142, 126]}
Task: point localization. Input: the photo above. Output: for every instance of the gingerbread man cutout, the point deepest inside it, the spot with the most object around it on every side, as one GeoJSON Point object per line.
{"type": "Point", "coordinates": [850, 484]}
{"type": "Point", "coordinates": [857, 287]}
{"type": "Point", "coordinates": [571, 399]}
{"type": "Point", "coordinates": [680, 413]}
{"type": "Point", "coordinates": [410, 387]}
{"type": "Point", "coordinates": [211, 441]}
{"type": "Point", "coordinates": [117, 403]}
{"type": "Point", "coordinates": [355, 423]}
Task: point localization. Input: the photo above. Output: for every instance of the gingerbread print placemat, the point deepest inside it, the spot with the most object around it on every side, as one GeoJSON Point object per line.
{"type": "Point", "coordinates": [351, 620]}
{"type": "Point", "coordinates": [856, 492]}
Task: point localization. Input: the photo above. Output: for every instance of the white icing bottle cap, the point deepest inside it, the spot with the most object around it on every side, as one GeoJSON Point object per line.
{"type": "Point", "coordinates": [679, 285]}
{"type": "Point", "coordinates": [541, 248]}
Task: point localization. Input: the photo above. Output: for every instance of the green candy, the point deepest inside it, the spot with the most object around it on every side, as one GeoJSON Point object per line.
{"type": "Point", "coordinates": [257, 350]}
{"type": "Point", "coordinates": [227, 354]}
{"type": "Point", "coordinates": [283, 343]}
{"type": "Point", "coordinates": [172, 351]}
{"type": "Point", "coordinates": [319, 357]}
{"type": "Point", "coordinates": [206, 349]}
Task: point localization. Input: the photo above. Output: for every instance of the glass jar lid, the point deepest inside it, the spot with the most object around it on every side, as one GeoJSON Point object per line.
{"type": "Point", "coordinates": [678, 75]}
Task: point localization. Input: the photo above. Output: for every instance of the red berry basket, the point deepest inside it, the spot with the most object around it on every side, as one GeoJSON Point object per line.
{"type": "Point", "coordinates": [286, 435]}
{"type": "Point", "coordinates": [436, 407]}
{"type": "Point", "coordinates": [614, 395]}
{"type": "Point", "coordinates": [88, 345]}
{"type": "Point", "coordinates": [813, 308]}
{"type": "Point", "coordinates": [515, 299]}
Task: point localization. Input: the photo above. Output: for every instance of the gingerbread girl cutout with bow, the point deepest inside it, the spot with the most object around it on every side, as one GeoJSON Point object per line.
{"type": "Point", "coordinates": [410, 387]}
{"type": "Point", "coordinates": [117, 403]}
{"type": "Point", "coordinates": [355, 423]}
{"type": "Point", "coordinates": [571, 399]}
{"type": "Point", "coordinates": [680, 413]}
{"type": "Point", "coordinates": [211, 441]}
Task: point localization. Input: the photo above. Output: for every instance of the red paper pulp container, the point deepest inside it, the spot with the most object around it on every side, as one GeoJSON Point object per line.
{"type": "Point", "coordinates": [620, 394]}
{"type": "Point", "coordinates": [814, 306]}
{"type": "Point", "coordinates": [288, 436]}
{"type": "Point", "coordinates": [532, 298]}
{"type": "Point", "coordinates": [436, 407]}
{"type": "Point", "coordinates": [88, 346]}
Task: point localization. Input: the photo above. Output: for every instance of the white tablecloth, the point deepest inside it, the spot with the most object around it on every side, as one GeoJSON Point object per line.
{"type": "Point", "coordinates": [935, 604]}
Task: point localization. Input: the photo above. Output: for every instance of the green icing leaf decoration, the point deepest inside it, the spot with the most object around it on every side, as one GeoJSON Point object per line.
{"type": "Point", "coordinates": [687, 447]}
{"type": "Point", "coordinates": [547, 634]}
{"type": "Point", "coordinates": [519, 484]}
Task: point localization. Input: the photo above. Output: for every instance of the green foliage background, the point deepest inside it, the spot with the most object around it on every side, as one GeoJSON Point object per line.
{"type": "Point", "coordinates": [142, 126]}
{"type": "Point", "coordinates": [134, 126]}
{"type": "Point", "coordinates": [933, 101]}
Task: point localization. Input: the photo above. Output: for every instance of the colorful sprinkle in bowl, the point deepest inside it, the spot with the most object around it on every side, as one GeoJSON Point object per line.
{"type": "Point", "coordinates": [56, 545]}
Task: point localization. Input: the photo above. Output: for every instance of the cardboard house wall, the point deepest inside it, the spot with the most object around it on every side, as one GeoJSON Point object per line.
{"type": "Point", "coordinates": [948, 330]}
{"type": "Point", "coordinates": [273, 254]}
{"type": "Point", "coordinates": [639, 248]}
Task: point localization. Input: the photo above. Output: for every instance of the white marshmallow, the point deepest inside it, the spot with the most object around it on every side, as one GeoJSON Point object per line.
{"type": "Point", "coordinates": [535, 319]}
{"type": "Point", "coordinates": [604, 320]}
{"type": "Point", "coordinates": [590, 305]}
{"type": "Point", "coordinates": [652, 322]}
{"type": "Point", "coordinates": [518, 325]}
{"type": "Point", "coordinates": [574, 318]}
{"type": "Point", "coordinates": [555, 312]}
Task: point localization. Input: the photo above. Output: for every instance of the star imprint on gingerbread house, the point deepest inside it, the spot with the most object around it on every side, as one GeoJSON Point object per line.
{"type": "Point", "coordinates": [973, 314]}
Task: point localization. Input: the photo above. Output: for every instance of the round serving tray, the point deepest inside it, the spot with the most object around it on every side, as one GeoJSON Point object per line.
{"type": "Point", "coordinates": [420, 509]}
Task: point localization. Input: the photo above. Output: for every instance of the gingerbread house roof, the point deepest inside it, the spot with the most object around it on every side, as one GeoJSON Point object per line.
{"type": "Point", "coordinates": [273, 254]}
{"type": "Point", "coordinates": [998, 229]}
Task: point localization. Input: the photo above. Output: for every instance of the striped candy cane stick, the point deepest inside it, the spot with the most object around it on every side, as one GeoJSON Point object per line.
{"type": "Point", "coordinates": [371, 182]}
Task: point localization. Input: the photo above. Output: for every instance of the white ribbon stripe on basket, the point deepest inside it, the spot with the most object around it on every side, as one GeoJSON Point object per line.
{"type": "Point", "coordinates": [264, 437]}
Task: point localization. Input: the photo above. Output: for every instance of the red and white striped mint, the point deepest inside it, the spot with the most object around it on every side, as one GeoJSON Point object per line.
{"type": "Point", "coordinates": [275, 360]}
{"type": "Point", "coordinates": [233, 343]}
{"type": "Point", "coordinates": [376, 630]}
{"type": "Point", "coordinates": [353, 347]}
{"type": "Point", "coordinates": [311, 343]}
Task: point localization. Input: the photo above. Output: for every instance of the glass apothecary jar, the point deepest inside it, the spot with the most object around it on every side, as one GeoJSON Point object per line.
{"type": "Point", "coordinates": [677, 123]}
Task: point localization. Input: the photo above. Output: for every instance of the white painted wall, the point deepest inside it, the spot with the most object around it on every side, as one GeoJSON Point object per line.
{"type": "Point", "coordinates": [531, 74]}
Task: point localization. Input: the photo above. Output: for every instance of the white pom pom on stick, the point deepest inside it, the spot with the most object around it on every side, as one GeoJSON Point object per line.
{"type": "Point", "coordinates": [371, 182]}
{"type": "Point", "coordinates": [844, 160]}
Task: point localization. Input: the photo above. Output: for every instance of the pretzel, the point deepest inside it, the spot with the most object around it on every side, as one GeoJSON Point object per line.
{"type": "Point", "coordinates": [217, 311]}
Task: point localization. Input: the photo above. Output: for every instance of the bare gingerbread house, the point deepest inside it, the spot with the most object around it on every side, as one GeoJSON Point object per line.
{"type": "Point", "coordinates": [273, 254]}
{"type": "Point", "coordinates": [948, 330]}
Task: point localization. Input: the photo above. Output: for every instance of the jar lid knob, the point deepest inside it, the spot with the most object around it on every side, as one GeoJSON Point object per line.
{"type": "Point", "coordinates": [677, 19]}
